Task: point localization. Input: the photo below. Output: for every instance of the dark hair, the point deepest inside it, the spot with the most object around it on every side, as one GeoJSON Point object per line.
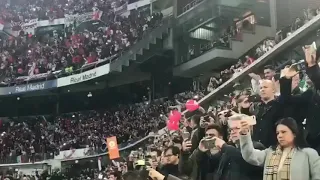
{"type": "Point", "coordinates": [268, 67]}
{"type": "Point", "coordinates": [156, 150]}
{"type": "Point", "coordinates": [135, 175]}
{"type": "Point", "coordinates": [215, 127]}
{"type": "Point", "coordinates": [175, 150]}
{"type": "Point", "coordinates": [196, 119]}
{"type": "Point", "coordinates": [299, 141]}
{"type": "Point", "coordinates": [177, 140]}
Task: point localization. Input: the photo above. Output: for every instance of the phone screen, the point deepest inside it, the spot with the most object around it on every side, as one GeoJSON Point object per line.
{"type": "Point", "coordinates": [252, 120]}
{"type": "Point", "coordinates": [209, 143]}
{"type": "Point", "coordinates": [185, 135]}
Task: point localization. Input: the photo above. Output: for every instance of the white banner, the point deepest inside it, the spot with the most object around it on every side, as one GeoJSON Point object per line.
{"type": "Point", "coordinates": [31, 24]}
{"type": "Point", "coordinates": [80, 18]}
{"type": "Point", "coordinates": [84, 76]}
{"type": "Point", "coordinates": [138, 4]}
{"type": "Point", "coordinates": [71, 154]}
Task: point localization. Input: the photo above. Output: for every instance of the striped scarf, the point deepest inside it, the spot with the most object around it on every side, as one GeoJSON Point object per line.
{"type": "Point", "coordinates": [272, 171]}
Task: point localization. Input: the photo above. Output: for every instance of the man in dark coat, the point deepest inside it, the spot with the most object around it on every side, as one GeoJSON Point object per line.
{"type": "Point", "coordinates": [309, 100]}
{"type": "Point", "coordinates": [223, 162]}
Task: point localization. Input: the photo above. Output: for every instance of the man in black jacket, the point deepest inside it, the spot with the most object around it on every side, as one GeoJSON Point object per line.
{"type": "Point", "coordinates": [231, 165]}
{"type": "Point", "coordinates": [172, 157]}
{"type": "Point", "coordinates": [310, 99]}
{"type": "Point", "coordinates": [200, 164]}
{"type": "Point", "coordinates": [222, 162]}
{"type": "Point", "coordinates": [268, 111]}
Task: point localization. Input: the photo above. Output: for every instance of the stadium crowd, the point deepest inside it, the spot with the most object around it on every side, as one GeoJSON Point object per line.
{"type": "Point", "coordinates": [23, 10]}
{"type": "Point", "coordinates": [262, 133]}
{"type": "Point", "coordinates": [29, 56]}
{"type": "Point", "coordinates": [29, 139]}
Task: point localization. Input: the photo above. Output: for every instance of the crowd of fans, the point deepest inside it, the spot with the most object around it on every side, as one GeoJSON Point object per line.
{"type": "Point", "coordinates": [29, 56]}
{"type": "Point", "coordinates": [23, 10]}
{"type": "Point", "coordinates": [256, 134]}
{"type": "Point", "coordinates": [29, 139]}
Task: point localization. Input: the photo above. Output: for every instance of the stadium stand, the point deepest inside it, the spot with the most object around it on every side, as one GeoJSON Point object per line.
{"type": "Point", "coordinates": [76, 142]}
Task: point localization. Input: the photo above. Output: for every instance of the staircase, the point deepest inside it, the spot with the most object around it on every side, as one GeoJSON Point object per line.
{"type": "Point", "coordinates": [150, 44]}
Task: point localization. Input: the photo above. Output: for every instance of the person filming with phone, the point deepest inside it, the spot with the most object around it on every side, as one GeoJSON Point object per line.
{"type": "Point", "coordinates": [201, 163]}
{"type": "Point", "coordinates": [290, 159]}
{"type": "Point", "coordinates": [305, 106]}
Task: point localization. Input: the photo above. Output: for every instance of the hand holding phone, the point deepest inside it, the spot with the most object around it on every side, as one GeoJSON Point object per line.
{"type": "Point", "coordinates": [310, 54]}
{"type": "Point", "coordinates": [251, 120]}
{"type": "Point", "coordinates": [209, 143]}
{"type": "Point", "coordinates": [186, 145]}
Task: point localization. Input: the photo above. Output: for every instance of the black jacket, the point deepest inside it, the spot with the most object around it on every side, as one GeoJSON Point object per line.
{"type": "Point", "coordinates": [170, 169]}
{"type": "Point", "coordinates": [226, 164]}
{"type": "Point", "coordinates": [267, 114]}
{"type": "Point", "coordinates": [308, 103]}
{"type": "Point", "coordinates": [197, 135]}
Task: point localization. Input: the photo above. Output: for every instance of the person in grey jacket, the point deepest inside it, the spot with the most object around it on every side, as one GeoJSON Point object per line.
{"type": "Point", "coordinates": [289, 160]}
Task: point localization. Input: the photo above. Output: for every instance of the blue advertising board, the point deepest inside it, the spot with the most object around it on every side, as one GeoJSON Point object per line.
{"type": "Point", "coordinates": [24, 88]}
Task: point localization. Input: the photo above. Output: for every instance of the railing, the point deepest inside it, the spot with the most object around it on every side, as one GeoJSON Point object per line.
{"type": "Point", "coordinates": [190, 5]}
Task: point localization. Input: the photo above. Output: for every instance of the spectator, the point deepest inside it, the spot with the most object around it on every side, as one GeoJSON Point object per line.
{"type": "Point", "coordinates": [307, 101]}
{"type": "Point", "coordinates": [202, 162]}
{"type": "Point", "coordinates": [171, 167]}
{"type": "Point", "coordinates": [269, 72]}
{"type": "Point", "coordinates": [290, 159]}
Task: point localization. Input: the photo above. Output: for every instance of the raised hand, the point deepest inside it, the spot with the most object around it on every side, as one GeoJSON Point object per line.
{"type": "Point", "coordinates": [310, 55]}
{"type": "Point", "coordinates": [288, 72]}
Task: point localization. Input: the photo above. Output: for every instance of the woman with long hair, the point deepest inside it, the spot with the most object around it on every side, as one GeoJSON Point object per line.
{"type": "Point", "coordinates": [290, 159]}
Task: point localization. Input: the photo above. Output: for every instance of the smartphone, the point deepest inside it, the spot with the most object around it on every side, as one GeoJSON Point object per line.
{"type": "Point", "coordinates": [185, 135]}
{"type": "Point", "coordinates": [251, 121]}
{"type": "Point", "coordinates": [209, 143]}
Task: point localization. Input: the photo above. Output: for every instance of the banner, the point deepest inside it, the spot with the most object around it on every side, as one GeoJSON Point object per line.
{"type": "Point", "coordinates": [28, 87]}
{"type": "Point", "coordinates": [72, 154]}
{"type": "Point", "coordinates": [31, 24]}
{"type": "Point", "coordinates": [80, 18]}
{"type": "Point", "coordinates": [138, 4]}
{"type": "Point", "coordinates": [113, 147]}
{"type": "Point", "coordinates": [84, 76]}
